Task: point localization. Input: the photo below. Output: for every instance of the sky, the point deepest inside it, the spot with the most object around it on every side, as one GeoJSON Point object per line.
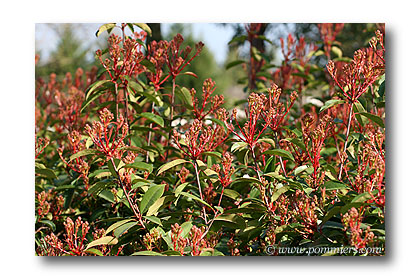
{"type": "Point", "coordinates": [215, 37]}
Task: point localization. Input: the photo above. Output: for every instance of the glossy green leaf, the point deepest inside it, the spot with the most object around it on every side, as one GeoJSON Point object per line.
{"type": "Point", "coordinates": [83, 153]}
{"type": "Point", "coordinates": [140, 166]}
{"type": "Point", "coordinates": [106, 240]}
{"type": "Point", "coordinates": [150, 197]}
{"type": "Point", "coordinates": [246, 180]}
{"type": "Point", "coordinates": [94, 251]}
{"type": "Point", "coordinates": [280, 152]}
{"type": "Point", "coordinates": [374, 118]}
{"type": "Point", "coordinates": [105, 27]}
{"type": "Point", "coordinates": [334, 185]}
{"type": "Point", "coordinates": [46, 172]}
{"type": "Point", "coordinates": [300, 169]}
{"type": "Point", "coordinates": [194, 198]}
{"type": "Point", "coordinates": [145, 27]}
{"type": "Point", "coordinates": [146, 253]}
{"type": "Point", "coordinates": [170, 164]}
{"type": "Point", "coordinates": [124, 228]}
{"type": "Point", "coordinates": [331, 103]}
{"type": "Point", "coordinates": [154, 219]}
{"type": "Point", "coordinates": [49, 223]}
{"type": "Point", "coordinates": [117, 224]}
{"type": "Point", "coordinates": [153, 117]}
{"type": "Point", "coordinates": [234, 63]}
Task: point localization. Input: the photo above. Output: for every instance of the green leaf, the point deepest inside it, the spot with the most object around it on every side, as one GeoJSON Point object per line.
{"type": "Point", "coordinates": [170, 164]}
{"type": "Point", "coordinates": [94, 93]}
{"type": "Point", "coordinates": [185, 96]}
{"type": "Point", "coordinates": [94, 251]}
{"type": "Point", "coordinates": [94, 86]}
{"type": "Point", "coordinates": [150, 66]}
{"type": "Point", "coordinates": [331, 103]}
{"type": "Point", "coordinates": [238, 146]}
{"type": "Point", "coordinates": [107, 195]}
{"type": "Point", "coordinates": [195, 198]}
{"type": "Point", "coordinates": [234, 63]}
{"type": "Point", "coordinates": [153, 219]}
{"type": "Point", "coordinates": [334, 185]}
{"type": "Point", "coordinates": [98, 187]}
{"type": "Point", "coordinates": [364, 196]}
{"type": "Point", "coordinates": [239, 39]}
{"type": "Point", "coordinates": [49, 223]}
{"type": "Point", "coordinates": [134, 87]}
{"type": "Point", "coordinates": [186, 228]}
{"type": "Point", "coordinates": [150, 197]}
{"type": "Point", "coordinates": [106, 240]}
{"type": "Point", "coordinates": [374, 118]}
{"type": "Point", "coordinates": [105, 27]}
{"type": "Point", "coordinates": [180, 188]}
{"type": "Point", "coordinates": [300, 169]}
{"type": "Point", "coordinates": [275, 175]}
{"type": "Point", "coordinates": [117, 225]}
{"type": "Point", "coordinates": [146, 253]}
{"type": "Point", "coordinates": [152, 117]}
{"type": "Point", "coordinates": [278, 192]}
{"type": "Point", "coordinates": [246, 180]}
{"type": "Point", "coordinates": [83, 153]}
{"type": "Point", "coordinates": [280, 152]}
{"type": "Point", "coordinates": [337, 51]}
{"type": "Point", "coordinates": [145, 27]}
{"type": "Point", "coordinates": [172, 253]}
{"type": "Point", "coordinates": [237, 220]}
{"type": "Point", "coordinates": [159, 204]}
{"type": "Point", "coordinates": [231, 194]}
{"type": "Point", "coordinates": [46, 172]}
{"type": "Point", "coordinates": [381, 90]}
{"type": "Point", "coordinates": [123, 228]}
{"type": "Point", "coordinates": [140, 166]}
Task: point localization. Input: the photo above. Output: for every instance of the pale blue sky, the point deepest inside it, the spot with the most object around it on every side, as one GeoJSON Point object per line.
{"type": "Point", "coordinates": [214, 36]}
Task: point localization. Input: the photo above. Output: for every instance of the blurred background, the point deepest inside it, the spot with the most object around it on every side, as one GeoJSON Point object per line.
{"type": "Point", "coordinates": [65, 47]}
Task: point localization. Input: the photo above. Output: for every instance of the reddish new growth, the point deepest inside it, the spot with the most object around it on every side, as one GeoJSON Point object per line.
{"type": "Point", "coordinates": [294, 52]}
{"type": "Point", "coordinates": [352, 222]}
{"type": "Point", "coordinates": [276, 109]}
{"type": "Point", "coordinates": [249, 133]}
{"type": "Point", "coordinates": [304, 212]}
{"type": "Point", "coordinates": [215, 101]}
{"type": "Point", "coordinates": [49, 204]}
{"type": "Point", "coordinates": [201, 138]}
{"type": "Point", "coordinates": [156, 54]}
{"type": "Point", "coordinates": [177, 59]}
{"type": "Point", "coordinates": [329, 32]}
{"type": "Point", "coordinates": [371, 169]}
{"type": "Point", "coordinates": [358, 75]}
{"type": "Point", "coordinates": [313, 140]}
{"type": "Point", "coordinates": [104, 134]}
{"type": "Point", "coordinates": [225, 173]}
{"type": "Point", "coordinates": [74, 238]}
{"type": "Point", "coordinates": [40, 145]}
{"type": "Point", "coordinates": [69, 108]}
{"type": "Point", "coordinates": [379, 50]}
{"type": "Point", "coordinates": [183, 174]}
{"type": "Point", "coordinates": [151, 240]}
{"type": "Point", "coordinates": [122, 61]}
{"type": "Point", "coordinates": [78, 165]}
{"type": "Point", "coordinates": [195, 240]}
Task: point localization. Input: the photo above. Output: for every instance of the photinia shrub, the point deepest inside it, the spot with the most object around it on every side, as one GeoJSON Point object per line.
{"type": "Point", "coordinates": [130, 162]}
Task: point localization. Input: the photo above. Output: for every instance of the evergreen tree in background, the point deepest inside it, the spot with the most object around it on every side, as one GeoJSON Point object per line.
{"type": "Point", "coordinates": [69, 54]}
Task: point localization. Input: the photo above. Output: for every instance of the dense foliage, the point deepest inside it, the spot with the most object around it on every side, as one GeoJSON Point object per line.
{"type": "Point", "coordinates": [129, 161]}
